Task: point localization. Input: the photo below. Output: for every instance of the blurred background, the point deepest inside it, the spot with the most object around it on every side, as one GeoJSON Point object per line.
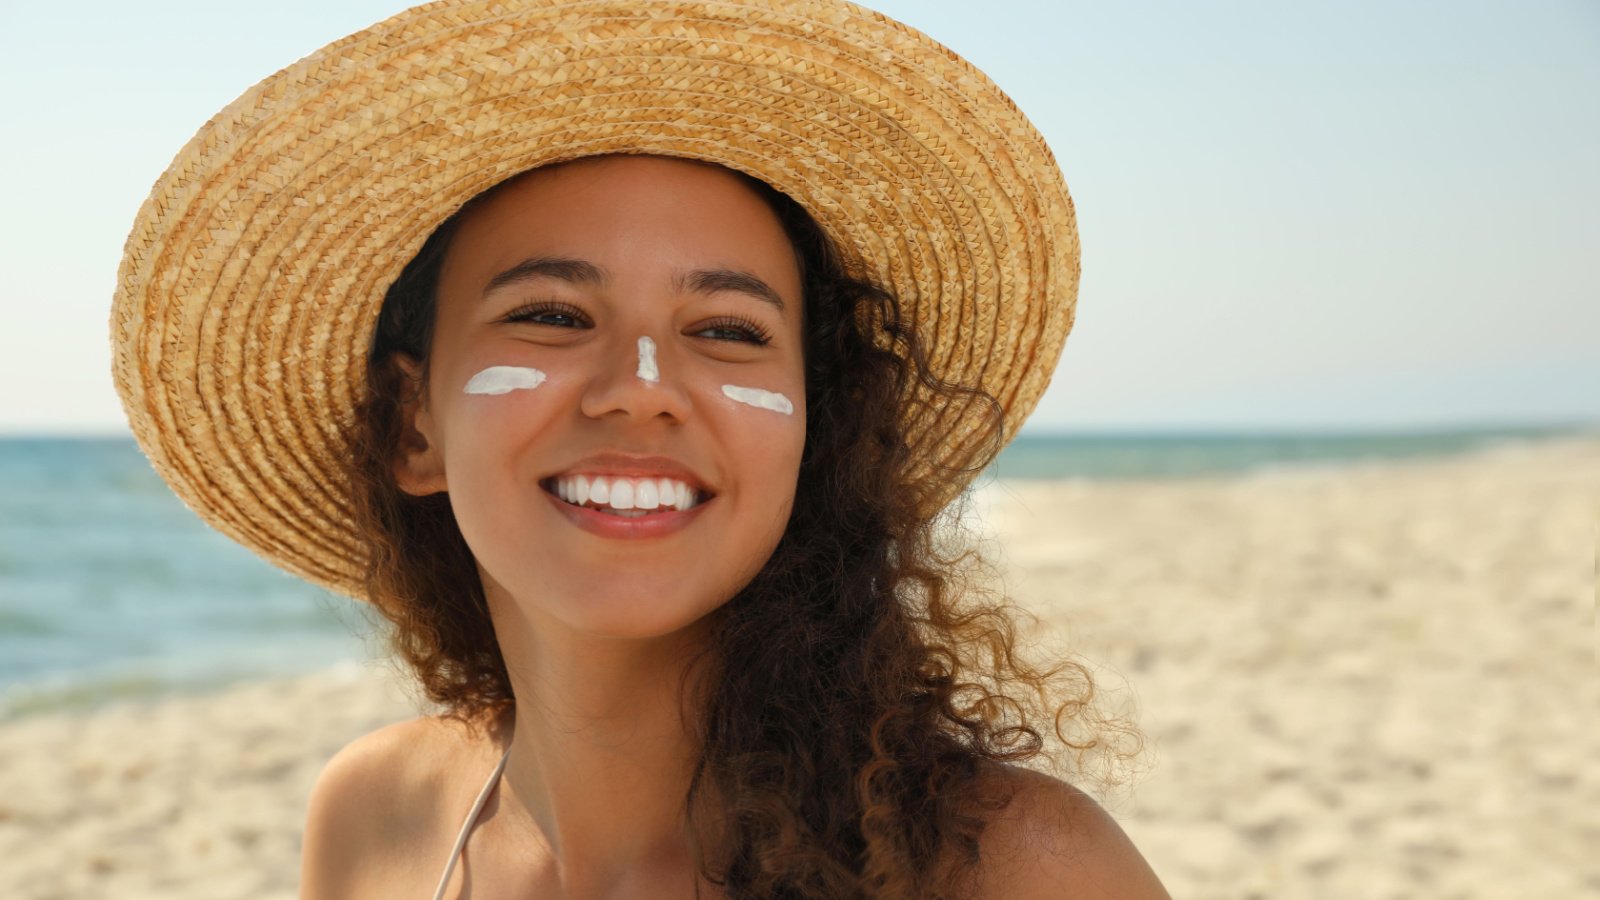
{"type": "Point", "coordinates": [1314, 236]}
{"type": "Point", "coordinates": [1311, 232]}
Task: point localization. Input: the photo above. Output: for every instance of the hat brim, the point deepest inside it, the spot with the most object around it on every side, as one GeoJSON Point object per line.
{"type": "Point", "coordinates": [254, 272]}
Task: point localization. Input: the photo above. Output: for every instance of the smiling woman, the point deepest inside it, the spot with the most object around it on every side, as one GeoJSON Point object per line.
{"type": "Point", "coordinates": [654, 418]}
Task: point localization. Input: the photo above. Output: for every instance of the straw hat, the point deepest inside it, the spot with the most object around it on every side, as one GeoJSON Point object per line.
{"type": "Point", "coordinates": [253, 275]}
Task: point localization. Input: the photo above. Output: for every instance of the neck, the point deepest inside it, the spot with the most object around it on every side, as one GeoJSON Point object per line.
{"type": "Point", "coordinates": [601, 754]}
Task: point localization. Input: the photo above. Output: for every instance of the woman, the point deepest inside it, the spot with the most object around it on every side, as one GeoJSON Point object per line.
{"type": "Point", "coordinates": [641, 463]}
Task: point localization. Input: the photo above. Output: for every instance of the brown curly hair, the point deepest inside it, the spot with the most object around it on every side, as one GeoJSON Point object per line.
{"type": "Point", "coordinates": [857, 690]}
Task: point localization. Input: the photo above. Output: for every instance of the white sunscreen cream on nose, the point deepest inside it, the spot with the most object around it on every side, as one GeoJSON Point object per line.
{"type": "Point", "coordinates": [757, 397]}
{"type": "Point", "coordinates": [504, 379]}
{"type": "Point", "coordinates": [647, 360]}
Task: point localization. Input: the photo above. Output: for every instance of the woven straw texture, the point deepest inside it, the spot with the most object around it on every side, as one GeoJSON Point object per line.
{"type": "Point", "coordinates": [253, 275]}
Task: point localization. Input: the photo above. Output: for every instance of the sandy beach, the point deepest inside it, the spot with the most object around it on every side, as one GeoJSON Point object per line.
{"type": "Point", "coordinates": [1368, 681]}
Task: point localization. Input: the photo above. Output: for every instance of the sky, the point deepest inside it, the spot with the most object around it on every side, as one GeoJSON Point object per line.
{"type": "Point", "coordinates": [1294, 216]}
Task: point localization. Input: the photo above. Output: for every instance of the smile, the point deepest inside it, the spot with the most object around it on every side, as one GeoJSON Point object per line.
{"type": "Point", "coordinates": [608, 521]}
{"type": "Point", "coordinates": [630, 497]}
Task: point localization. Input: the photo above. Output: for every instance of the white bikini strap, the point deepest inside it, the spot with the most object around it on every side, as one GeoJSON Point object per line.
{"type": "Point", "coordinates": [466, 827]}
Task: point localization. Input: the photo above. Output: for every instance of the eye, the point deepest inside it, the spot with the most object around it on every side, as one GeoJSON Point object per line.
{"type": "Point", "coordinates": [752, 332]}
{"type": "Point", "coordinates": [543, 312]}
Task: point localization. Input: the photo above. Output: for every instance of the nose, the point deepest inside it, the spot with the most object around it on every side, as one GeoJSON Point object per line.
{"type": "Point", "coordinates": [617, 385]}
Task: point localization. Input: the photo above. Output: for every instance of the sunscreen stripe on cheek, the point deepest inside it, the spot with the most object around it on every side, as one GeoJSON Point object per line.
{"type": "Point", "coordinates": [647, 360]}
{"type": "Point", "coordinates": [504, 379]}
{"type": "Point", "coordinates": [757, 397]}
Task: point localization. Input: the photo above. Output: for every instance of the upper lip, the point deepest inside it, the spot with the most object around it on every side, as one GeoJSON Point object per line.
{"type": "Point", "coordinates": [629, 466]}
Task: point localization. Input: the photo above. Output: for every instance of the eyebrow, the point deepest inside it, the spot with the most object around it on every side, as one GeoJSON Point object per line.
{"type": "Point", "coordinates": [581, 271]}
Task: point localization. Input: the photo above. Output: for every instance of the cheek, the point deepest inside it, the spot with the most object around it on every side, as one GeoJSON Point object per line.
{"type": "Point", "coordinates": [767, 432]}
{"type": "Point", "coordinates": [770, 411]}
{"type": "Point", "coordinates": [766, 409]}
{"type": "Point", "coordinates": [760, 398]}
{"type": "Point", "coordinates": [492, 409]}
{"type": "Point", "coordinates": [496, 397]}
{"type": "Point", "coordinates": [494, 381]}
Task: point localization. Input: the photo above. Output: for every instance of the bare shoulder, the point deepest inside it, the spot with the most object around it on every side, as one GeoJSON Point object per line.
{"type": "Point", "coordinates": [372, 807]}
{"type": "Point", "coordinates": [1054, 841]}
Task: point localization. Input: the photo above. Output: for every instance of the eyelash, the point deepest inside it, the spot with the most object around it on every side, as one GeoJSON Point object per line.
{"type": "Point", "coordinates": [757, 334]}
{"type": "Point", "coordinates": [527, 312]}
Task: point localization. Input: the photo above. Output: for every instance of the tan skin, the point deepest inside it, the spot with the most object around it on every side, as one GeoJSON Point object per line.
{"type": "Point", "coordinates": [595, 631]}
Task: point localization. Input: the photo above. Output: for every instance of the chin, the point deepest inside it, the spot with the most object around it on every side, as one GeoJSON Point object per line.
{"type": "Point", "coordinates": [637, 629]}
{"type": "Point", "coordinates": [634, 616]}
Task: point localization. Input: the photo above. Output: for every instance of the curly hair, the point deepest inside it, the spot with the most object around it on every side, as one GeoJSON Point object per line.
{"type": "Point", "coordinates": [857, 692]}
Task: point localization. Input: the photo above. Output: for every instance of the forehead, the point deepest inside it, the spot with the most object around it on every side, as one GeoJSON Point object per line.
{"type": "Point", "coordinates": [630, 213]}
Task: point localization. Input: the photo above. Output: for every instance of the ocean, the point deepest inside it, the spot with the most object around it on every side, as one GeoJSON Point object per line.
{"type": "Point", "coordinates": [111, 589]}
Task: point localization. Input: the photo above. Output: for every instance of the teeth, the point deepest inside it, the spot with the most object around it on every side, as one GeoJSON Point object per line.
{"type": "Point", "coordinates": [621, 494]}
{"type": "Point", "coordinates": [634, 496]}
{"type": "Point", "coordinates": [647, 496]}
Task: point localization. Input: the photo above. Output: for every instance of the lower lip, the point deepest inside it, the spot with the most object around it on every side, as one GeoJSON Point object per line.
{"type": "Point", "coordinates": [653, 525]}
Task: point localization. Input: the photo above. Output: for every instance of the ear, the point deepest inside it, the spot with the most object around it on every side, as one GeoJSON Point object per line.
{"type": "Point", "coordinates": [418, 464]}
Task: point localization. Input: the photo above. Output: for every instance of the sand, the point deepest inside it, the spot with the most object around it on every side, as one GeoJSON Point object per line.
{"type": "Point", "coordinates": [1367, 681]}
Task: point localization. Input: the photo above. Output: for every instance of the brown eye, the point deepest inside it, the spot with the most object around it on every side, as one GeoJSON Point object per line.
{"type": "Point", "coordinates": [744, 330]}
{"type": "Point", "coordinates": [541, 312]}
